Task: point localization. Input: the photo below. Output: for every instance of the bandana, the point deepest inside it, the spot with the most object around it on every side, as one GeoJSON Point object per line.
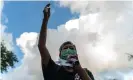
{"type": "Point", "coordinates": [66, 53]}
{"type": "Point", "coordinates": [64, 56]}
{"type": "Point", "coordinates": [62, 62]}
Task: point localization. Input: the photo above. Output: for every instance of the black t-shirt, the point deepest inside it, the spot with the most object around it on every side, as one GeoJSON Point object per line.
{"type": "Point", "coordinates": [56, 72]}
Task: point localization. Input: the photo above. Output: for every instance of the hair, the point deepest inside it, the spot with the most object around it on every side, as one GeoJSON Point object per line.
{"type": "Point", "coordinates": [65, 43]}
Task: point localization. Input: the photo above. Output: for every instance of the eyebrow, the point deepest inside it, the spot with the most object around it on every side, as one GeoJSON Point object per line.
{"type": "Point", "coordinates": [67, 46]}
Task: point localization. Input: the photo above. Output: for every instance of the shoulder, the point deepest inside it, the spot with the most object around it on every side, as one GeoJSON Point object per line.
{"type": "Point", "coordinates": [89, 73]}
{"type": "Point", "coordinates": [51, 67]}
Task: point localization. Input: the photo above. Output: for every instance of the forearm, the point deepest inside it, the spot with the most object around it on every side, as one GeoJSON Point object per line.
{"type": "Point", "coordinates": [83, 74]}
{"type": "Point", "coordinates": [45, 56]}
{"type": "Point", "coordinates": [43, 33]}
{"type": "Point", "coordinates": [42, 43]}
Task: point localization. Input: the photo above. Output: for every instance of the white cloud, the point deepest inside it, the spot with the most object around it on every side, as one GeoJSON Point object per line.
{"type": "Point", "coordinates": [113, 23]}
{"type": "Point", "coordinates": [102, 38]}
{"type": "Point", "coordinates": [30, 68]}
{"type": "Point", "coordinates": [7, 37]}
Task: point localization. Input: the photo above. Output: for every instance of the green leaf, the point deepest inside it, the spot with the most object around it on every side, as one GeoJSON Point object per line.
{"type": "Point", "coordinates": [8, 58]}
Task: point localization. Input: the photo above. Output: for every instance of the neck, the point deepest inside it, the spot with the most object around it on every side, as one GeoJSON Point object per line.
{"type": "Point", "coordinates": [64, 63]}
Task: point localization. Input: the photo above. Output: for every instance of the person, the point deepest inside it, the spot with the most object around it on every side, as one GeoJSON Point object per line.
{"type": "Point", "coordinates": [68, 67]}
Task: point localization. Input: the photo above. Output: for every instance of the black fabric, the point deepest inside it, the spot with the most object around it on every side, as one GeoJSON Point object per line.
{"type": "Point", "coordinates": [90, 74]}
{"type": "Point", "coordinates": [56, 72]}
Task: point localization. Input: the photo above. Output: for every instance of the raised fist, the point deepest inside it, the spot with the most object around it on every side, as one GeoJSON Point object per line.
{"type": "Point", "coordinates": [46, 11]}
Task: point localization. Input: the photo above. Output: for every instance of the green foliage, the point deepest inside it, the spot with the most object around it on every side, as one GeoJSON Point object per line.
{"type": "Point", "coordinates": [8, 58]}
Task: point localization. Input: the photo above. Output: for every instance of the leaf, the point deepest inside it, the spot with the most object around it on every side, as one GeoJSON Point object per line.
{"type": "Point", "coordinates": [8, 58]}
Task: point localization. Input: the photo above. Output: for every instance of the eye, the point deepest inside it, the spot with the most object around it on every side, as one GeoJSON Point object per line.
{"type": "Point", "coordinates": [65, 48]}
{"type": "Point", "coordinates": [71, 47]}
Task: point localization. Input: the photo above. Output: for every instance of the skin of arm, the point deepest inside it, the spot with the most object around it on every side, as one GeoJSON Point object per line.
{"type": "Point", "coordinates": [83, 74]}
{"type": "Point", "coordinates": [45, 56]}
{"type": "Point", "coordinates": [78, 68]}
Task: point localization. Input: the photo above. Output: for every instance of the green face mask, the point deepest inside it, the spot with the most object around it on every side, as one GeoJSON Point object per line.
{"type": "Point", "coordinates": [67, 52]}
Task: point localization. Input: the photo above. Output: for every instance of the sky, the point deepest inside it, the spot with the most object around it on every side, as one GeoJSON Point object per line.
{"type": "Point", "coordinates": [102, 32]}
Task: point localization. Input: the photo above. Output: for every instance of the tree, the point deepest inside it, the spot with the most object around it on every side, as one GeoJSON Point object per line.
{"type": "Point", "coordinates": [130, 56]}
{"type": "Point", "coordinates": [8, 58]}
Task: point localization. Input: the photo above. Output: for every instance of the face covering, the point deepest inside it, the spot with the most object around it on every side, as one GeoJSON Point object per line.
{"type": "Point", "coordinates": [62, 62]}
{"type": "Point", "coordinates": [64, 55]}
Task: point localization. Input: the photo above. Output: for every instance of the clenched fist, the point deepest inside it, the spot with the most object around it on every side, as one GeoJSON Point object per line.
{"type": "Point", "coordinates": [46, 12]}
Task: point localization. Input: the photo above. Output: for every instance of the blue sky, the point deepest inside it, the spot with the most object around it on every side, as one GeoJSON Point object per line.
{"type": "Point", "coordinates": [27, 16]}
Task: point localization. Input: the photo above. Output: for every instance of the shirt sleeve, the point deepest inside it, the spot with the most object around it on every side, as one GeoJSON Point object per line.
{"type": "Point", "coordinates": [50, 69]}
{"type": "Point", "coordinates": [90, 74]}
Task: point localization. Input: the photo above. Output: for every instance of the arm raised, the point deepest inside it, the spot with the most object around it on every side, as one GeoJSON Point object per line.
{"type": "Point", "coordinates": [45, 56]}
